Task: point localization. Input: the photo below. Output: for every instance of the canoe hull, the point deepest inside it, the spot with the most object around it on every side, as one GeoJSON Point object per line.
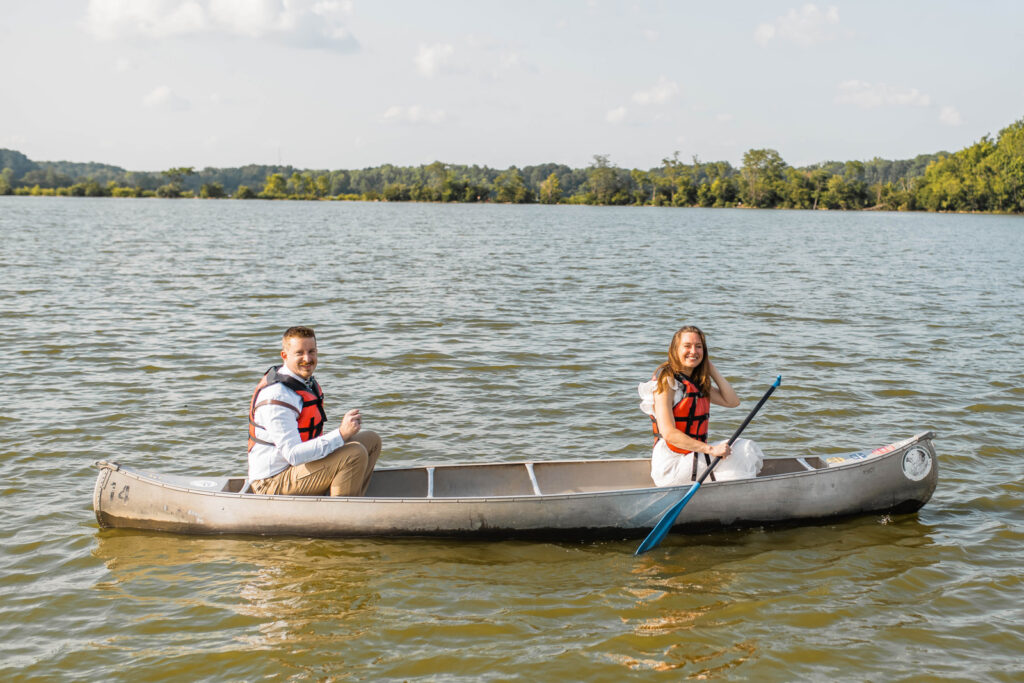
{"type": "Point", "coordinates": [606, 498]}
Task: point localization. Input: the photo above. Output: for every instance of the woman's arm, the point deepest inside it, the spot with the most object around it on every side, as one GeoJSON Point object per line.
{"type": "Point", "coordinates": [668, 431]}
{"type": "Point", "coordinates": [722, 393]}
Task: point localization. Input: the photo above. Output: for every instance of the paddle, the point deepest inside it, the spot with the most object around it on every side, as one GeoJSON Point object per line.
{"type": "Point", "coordinates": [660, 529]}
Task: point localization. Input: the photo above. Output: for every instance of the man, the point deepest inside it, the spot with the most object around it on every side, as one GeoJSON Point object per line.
{"type": "Point", "coordinates": [289, 453]}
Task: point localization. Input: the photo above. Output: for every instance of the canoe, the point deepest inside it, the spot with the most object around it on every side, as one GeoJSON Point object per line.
{"type": "Point", "coordinates": [592, 498]}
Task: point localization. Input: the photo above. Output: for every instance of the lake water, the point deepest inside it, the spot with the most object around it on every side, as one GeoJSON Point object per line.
{"type": "Point", "coordinates": [137, 330]}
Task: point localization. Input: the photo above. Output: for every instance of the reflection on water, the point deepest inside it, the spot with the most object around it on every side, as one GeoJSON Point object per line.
{"type": "Point", "coordinates": [696, 601]}
{"type": "Point", "coordinates": [261, 595]}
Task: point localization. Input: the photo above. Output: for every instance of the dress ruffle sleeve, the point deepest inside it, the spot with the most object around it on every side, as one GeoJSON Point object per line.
{"type": "Point", "coordinates": [646, 391]}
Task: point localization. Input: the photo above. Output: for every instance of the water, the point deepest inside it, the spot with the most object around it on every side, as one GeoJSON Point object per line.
{"type": "Point", "coordinates": [137, 329]}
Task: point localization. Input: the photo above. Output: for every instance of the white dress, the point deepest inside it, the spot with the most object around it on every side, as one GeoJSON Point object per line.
{"type": "Point", "coordinates": [669, 468]}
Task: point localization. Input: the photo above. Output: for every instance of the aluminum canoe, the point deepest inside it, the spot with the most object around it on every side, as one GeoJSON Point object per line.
{"type": "Point", "coordinates": [593, 498]}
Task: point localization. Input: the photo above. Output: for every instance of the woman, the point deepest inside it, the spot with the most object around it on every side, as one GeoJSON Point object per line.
{"type": "Point", "coordinates": [678, 400]}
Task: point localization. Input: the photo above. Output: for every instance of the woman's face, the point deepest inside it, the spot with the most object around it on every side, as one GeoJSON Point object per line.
{"type": "Point", "coordinates": [690, 351]}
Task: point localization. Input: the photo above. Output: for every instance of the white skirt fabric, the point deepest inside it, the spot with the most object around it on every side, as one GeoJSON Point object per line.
{"type": "Point", "coordinates": [673, 469]}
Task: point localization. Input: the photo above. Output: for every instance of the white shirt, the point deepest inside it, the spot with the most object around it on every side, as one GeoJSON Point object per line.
{"type": "Point", "coordinates": [280, 426]}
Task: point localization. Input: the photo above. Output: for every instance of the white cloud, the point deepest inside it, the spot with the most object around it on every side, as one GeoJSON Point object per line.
{"type": "Point", "coordinates": [805, 26]}
{"type": "Point", "coordinates": [433, 58]}
{"type": "Point", "coordinates": [164, 98]}
{"type": "Point", "coordinates": [616, 115]}
{"type": "Point", "coordinates": [764, 33]}
{"type": "Point", "coordinates": [301, 23]}
{"type": "Point", "coordinates": [725, 118]}
{"type": "Point", "coordinates": [415, 114]}
{"type": "Point", "coordinates": [661, 92]}
{"type": "Point", "coordinates": [950, 116]}
{"type": "Point", "coordinates": [110, 19]}
{"type": "Point", "coordinates": [873, 95]}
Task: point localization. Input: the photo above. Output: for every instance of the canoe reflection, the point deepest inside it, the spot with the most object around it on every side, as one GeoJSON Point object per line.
{"type": "Point", "coordinates": [294, 590]}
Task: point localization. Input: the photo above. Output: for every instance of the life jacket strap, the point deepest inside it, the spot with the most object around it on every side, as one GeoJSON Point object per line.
{"type": "Point", "coordinates": [275, 402]}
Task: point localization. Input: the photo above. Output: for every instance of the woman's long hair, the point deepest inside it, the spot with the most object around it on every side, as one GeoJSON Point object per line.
{"type": "Point", "coordinates": [672, 366]}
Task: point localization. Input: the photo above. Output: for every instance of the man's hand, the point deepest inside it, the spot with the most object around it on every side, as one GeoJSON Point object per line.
{"type": "Point", "coordinates": [350, 424]}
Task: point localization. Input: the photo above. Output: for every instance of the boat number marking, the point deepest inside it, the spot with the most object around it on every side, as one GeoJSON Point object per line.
{"type": "Point", "coordinates": [123, 495]}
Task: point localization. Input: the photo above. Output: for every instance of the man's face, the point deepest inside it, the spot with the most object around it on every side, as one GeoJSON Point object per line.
{"type": "Point", "coordinates": [299, 354]}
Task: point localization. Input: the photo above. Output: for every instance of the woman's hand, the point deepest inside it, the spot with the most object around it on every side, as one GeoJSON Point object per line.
{"type": "Point", "coordinates": [720, 450]}
{"type": "Point", "coordinates": [722, 393]}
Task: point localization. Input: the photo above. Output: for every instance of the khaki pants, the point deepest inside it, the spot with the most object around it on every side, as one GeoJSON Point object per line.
{"type": "Point", "coordinates": [345, 472]}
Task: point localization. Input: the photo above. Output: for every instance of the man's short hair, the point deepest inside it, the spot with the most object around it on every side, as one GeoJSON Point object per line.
{"type": "Point", "coordinates": [298, 331]}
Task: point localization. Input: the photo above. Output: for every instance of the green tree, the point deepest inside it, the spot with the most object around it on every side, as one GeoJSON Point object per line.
{"type": "Point", "coordinates": [704, 196]}
{"type": "Point", "coordinates": [724, 192]}
{"type": "Point", "coordinates": [643, 187]}
{"type": "Point", "coordinates": [46, 177]}
{"type": "Point", "coordinates": [275, 187]}
{"type": "Point", "coordinates": [397, 192]}
{"type": "Point", "coordinates": [212, 190]}
{"type": "Point", "coordinates": [1006, 164]}
{"type": "Point", "coordinates": [798, 192]}
{"type": "Point", "coordinates": [244, 192]}
{"type": "Point", "coordinates": [511, 188]}
{"type": "Point", "coordinates": [322, 185]}
{"type": "Point", "coordinates": [671, 170]}
{"type": "Point", "coordinates": [605, 183]}
{"type": "Point", "coordinates": [175, 177]}
{"type": "Point", "coordinates": [762, 177]}
{"type": "Point", "coordinates": [550, 190]}
{"type": "Point", "coordinates": [436, 181]}
{"type": "Point", "coordinates": [7, 181]}
{"type": "Point", "coordinates": [300, 184]}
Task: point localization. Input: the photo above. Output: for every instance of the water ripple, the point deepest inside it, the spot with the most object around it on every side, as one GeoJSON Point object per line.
{"type": "Point", "coordinates": [488, 333]}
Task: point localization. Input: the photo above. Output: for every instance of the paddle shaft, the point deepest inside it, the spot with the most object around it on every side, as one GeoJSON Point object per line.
{"type": "Point", "coordinates": [739, 430]}
{"type": "Point", "coordinates": [660, 529]}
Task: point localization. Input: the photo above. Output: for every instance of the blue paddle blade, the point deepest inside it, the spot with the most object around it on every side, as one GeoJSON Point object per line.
{"type": "Point", "coordinates": [660, 529]}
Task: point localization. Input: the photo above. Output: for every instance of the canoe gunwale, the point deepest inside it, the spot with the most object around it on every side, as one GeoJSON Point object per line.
{"type": "Point", "coordinates": [158, 480]}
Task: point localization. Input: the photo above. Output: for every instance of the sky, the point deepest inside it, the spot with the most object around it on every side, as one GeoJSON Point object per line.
{"type": "Point", "coordinates": [340, 84]}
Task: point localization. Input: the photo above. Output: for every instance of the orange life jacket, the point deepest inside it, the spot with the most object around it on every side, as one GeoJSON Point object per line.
{"type": "Point", "coordinates": [691, 414]}
{"type": "Point", "coordinates": [312, 416]}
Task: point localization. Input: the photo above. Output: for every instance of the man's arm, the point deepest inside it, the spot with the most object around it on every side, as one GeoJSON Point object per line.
{"type": "Point", "coordinates": [282, 428]}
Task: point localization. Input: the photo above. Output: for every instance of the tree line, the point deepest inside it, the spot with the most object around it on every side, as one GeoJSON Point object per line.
{"type": "Point", "coordinates": [988, 176]}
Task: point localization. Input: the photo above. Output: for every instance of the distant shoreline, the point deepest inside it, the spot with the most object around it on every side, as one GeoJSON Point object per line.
{"type": "Point", "coordinates": [877, 209]}
{"type": "Point", "coordinates": [983, 178]}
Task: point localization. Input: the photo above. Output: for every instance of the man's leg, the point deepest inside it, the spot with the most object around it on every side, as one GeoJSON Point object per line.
{"type": "Point", "coordinates": [348, 467]}
{"type": "Point", "coordinates": [345, 472]}
{"type": "Point", "coordinates": [371, 442]}
{"type": "Point", "coordinates": [317, 478]}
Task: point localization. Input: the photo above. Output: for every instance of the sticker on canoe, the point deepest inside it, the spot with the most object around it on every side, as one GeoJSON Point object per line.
{"type": "Point", "coordinates": [203, 483]}
{"type": "Point", "coordinates": [863, 455]}
{"type": "Point", "coordinates": [844, 459]}
{"type": "Point", "coordinates": [893, 446]}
